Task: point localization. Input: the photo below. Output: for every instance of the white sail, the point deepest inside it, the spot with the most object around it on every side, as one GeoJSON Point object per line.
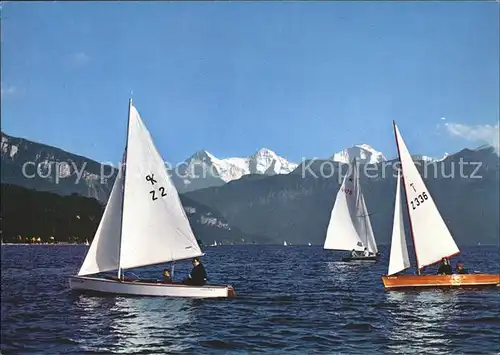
{"type": "Point", "coordinates": [155, 227]}
{"type": "Point", "coordinates": [398, 259]}
{"type": "Point", "coordinates": [364, 225]}
{"type": "Point", "coordinates": [349, 227]}
{"type": "Point", "coordinates": [103, 253]}
{"type": "Point", "coordinates": [431, 236]}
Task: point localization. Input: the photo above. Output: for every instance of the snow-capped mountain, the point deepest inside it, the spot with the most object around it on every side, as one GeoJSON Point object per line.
{"type": "Point", "coordinates": [365, 154]}
{"type": "Point", "coordinates": [362, 152]}
{"type": "Point", "coordinates": [203, 169]}
{"type": "Point", "coordinates": [428, 159]}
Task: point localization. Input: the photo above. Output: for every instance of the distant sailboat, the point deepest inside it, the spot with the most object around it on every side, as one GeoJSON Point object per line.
{"type": "Point", "coordinates": [309, 244]}
{"type": "Point", "coordinates": [86, 242]}
{"type": "Point", "coordinates": [432, 240]}
{"type": "Point", "coordinates": [284, 243]}
{"type": "Point", "coordinates": [214, 244]}
{"type": "Point", "coordinates": [350, 227]}
{"type": "Point", "coordinates": [143, 224]}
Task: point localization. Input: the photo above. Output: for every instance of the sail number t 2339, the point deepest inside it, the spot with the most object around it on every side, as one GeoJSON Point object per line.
{"type": "Point", "coordinates": [155, 193]}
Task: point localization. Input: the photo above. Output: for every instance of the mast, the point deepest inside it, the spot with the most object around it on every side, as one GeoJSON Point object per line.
{"type": "Point", "coordinates": [123, 189]}
{"type": "Point", "coordinates": [359, 192]}
{"type": "Point", "coordinates": [406, 194]}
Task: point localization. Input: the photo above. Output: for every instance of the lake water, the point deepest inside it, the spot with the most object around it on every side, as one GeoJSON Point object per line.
{"type": "Point", "coordinates": [290, 300]}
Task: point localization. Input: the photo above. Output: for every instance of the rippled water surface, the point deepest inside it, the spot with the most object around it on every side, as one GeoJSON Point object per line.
{"type": "Point", "coordinates": [289, 300]}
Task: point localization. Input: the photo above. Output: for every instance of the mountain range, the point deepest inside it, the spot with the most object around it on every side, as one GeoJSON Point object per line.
{"type": "Point", "coordinates": [199, 171]}
{"type": "Point", "coordinates": [271, 199]}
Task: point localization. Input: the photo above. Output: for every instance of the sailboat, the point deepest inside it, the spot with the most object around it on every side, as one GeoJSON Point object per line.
{"type": "Point", "coordinates": [350, 227]}
{"type": "Point", "coordinates": [285, 244]}
{"type": "Point", "coordinates": [432, 240]}
{"type": "Point", "coordinates": [143, 224]}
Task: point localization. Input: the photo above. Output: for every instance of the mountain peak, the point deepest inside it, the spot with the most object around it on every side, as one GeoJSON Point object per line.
{"type": "Point", "coordinates": [202, 155]}
{"type": "Point", "coordinates": [363, 153]}
{"type": "Point", "coordinates": [264, 152]}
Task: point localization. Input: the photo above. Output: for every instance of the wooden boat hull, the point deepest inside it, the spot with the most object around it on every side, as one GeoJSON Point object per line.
{"type": "Point", "coordinates": [144, 288]}
{"type": "Point", "coordinates": [455, 280]}
{"type": "Point", "coordinates": [361, 259]}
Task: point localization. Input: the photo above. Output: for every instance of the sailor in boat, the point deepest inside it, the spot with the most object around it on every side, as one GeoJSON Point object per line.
{"type": "Point", "coordinates": [198, 276]}
{"type": "Point", "coordinates": [445, 267]}
{"type": "Point", "coordinates": [166, 277]}
{"type": "Point", "coordinates": [367, 253]}
{"type": "Point", "coordinates": [461, 269]}
{"type": "Point", "coordinates": [354, 254]}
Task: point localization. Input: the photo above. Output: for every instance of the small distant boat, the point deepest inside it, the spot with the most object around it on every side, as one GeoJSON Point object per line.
{"type": "Point", "coordinates": [309, 244]}
{"type": "Point", "coordinates": [431, 238]}
{"type": "Point", "coordinates": [350, 227]}
{"type": "Point", "coordinates": [284, 243]}
{"type": "Point", "coordinates": [143, 224]}
{"type": "Point", "coordinates": [214, 244]}
{"type": "Point", "coordinates": [86, 242]}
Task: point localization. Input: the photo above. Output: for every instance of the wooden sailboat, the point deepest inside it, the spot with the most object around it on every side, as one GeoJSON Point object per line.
{"type": "Point", "coordinates": [432, 240]}
{"type": "Point", "coordinates": [143, 224]}
{"type": "Point", "coordinates": [350, 227]}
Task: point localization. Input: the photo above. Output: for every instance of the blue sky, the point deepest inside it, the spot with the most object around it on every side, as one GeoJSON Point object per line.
{"type": "Point", "coordinates": [303, 79]}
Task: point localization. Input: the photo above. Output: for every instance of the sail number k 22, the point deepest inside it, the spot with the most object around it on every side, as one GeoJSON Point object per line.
{"type": "Point", "coordinates": [151, 179]}
{"type": "Point", "coordinates": [417, 201]}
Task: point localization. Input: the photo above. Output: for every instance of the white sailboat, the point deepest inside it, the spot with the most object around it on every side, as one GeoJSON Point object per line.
{"type": "Point", "coordinates": [350, 227]}
{"type": "Point", "coordinates": [143, 224]}
{"type": "Point", "coordinates": [285, 244]}
{"type": "Point", "coordinates": [432, 239]}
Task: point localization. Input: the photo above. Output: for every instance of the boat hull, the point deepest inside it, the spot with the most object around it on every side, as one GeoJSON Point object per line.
{"type": "Point", "coordinates": [142, 288]}
{"type": "Point", "coordinates": [455, 280]}
{"type": "Point", "coordinates": [361, 259]}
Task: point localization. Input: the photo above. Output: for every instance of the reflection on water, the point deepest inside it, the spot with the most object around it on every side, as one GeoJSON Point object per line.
{"type": "Point", "coordinates": [134, 324]}
{"type": "Point", "coordinates": [421, 317]}
{"type": "Point", "coordinates": [337, 272]}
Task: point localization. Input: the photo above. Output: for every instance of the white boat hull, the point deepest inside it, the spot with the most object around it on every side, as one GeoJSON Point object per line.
{"type": "Point", "coordinates": [138, 288]}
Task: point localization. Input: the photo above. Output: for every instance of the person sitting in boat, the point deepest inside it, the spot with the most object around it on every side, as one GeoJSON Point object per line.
{"type": "Point", "coordinates": [166, 276]}
{"type": "Point", "coordinates": [354, 254]}
{"type": "Point", "coordinates": [461, 269]}
{"type": "Point", "coordinates": [366, 252]}
{"type": "Point", "coordinates": [198, 275]}
{"type": "Point", "coordinates": [445, 267]}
